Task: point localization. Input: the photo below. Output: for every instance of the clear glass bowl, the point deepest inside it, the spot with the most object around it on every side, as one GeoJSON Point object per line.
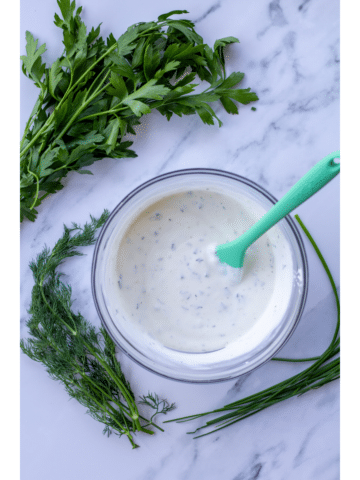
{"type": "Point", "coordinates": [194, 367]}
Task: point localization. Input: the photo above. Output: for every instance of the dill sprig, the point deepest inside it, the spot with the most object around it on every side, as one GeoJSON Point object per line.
{"type": "Point", "coordinates": [325, 369]}
{"type": "Point", "coordinates": [160, 405]}
{"type": "Point", "coordinates": [73, 351]}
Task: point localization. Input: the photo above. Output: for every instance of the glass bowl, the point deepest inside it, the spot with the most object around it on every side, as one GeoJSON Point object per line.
{"type": "Point", "coordinates": [243, 354]}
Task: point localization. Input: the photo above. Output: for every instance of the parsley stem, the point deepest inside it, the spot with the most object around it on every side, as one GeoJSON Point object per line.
{"type": "Point", "coordinates": [94, 82]}
{"type": "Point", "coordinates": [34, 112]}
{"type": "Point", "coordinates": [78, 112]}
{"type": "Point", "coordinates": [37, 188]}
{"type": "Point", "coordinates": [68, 91]}
{"type": "Point", "coordinates": [109, 50]}
{"type": "Point", "coordinates": [152, 105]}
{"type": "Point", "coordinates": [99, 88]}
{"type": "Point", "coordinates": [107, 112]}
{"type": "Point", "coordinates": [147, 52]}
{"type": "Point", "coordinates": [40, 132]}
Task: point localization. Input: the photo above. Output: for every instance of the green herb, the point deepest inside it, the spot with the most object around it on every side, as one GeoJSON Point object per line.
{"type": "Point", "coordinates": [73, 351]}
{"type": "Point", "coordinates": [321, 372]}
{"type": "Point", "coordinates": [97, 91]}
{"type": "Point", "coordinates": [157, 404]}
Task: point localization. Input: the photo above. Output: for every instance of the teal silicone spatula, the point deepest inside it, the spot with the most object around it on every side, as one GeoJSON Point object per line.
{"type": "Point", "coordinates": [233, 253]}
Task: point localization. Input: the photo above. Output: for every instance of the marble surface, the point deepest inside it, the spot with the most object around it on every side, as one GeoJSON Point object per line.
{"type": "Point", "coordinates": [289, 52]}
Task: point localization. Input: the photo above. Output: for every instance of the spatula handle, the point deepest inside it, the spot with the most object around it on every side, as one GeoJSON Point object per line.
{"type": "Point", "coordinates": [310, 183]}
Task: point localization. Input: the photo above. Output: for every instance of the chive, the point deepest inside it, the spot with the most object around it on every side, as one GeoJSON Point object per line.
{"type": "Point", "coordinates": [322, 371]}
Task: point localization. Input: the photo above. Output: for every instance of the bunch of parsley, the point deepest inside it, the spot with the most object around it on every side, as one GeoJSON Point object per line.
{"type": "Point", "coordinates": [97, 91]}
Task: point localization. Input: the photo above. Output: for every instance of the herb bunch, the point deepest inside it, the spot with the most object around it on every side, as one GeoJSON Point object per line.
{"type": "Point", "coordinates": [325, 369]}
{"type": "Point", "coordinates": [73, 351]}
{"type": "Point", "coordinates": [97, 90]}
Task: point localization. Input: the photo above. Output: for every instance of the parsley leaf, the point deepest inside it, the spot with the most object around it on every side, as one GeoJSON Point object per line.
{"type": "Point", "coordinates": [97, 90]}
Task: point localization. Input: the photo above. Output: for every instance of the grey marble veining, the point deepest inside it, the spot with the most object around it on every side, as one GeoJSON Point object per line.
{"type": "Point", "coordinates": [289, 52]}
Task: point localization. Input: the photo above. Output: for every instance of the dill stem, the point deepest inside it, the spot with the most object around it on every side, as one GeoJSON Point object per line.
{"type": "Point", "coordinates": [86, 377]}
{"type": "Point", "coordinates": [130, 401]}
{"type": "Point", "coordinates": [88, 394]}
{"type": "Point", "coordinates": [73, 332]}
{"type": "Point", "coordinates": [134, 414]}
{"type": "Point", "coordinates": [114, 377]}
{"type": "Point", "coordinates": [122, 429]}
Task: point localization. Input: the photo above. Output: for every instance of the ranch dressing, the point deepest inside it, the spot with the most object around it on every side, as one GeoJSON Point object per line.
{"type": "Point", "coordinates": [169, 284]}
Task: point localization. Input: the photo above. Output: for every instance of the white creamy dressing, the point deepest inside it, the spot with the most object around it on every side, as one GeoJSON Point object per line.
{"type": "Point", "coordinates": [168, 283]}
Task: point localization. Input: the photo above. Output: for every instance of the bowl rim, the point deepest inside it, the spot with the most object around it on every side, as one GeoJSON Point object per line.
{"type": "Point", "coordinates": [217, 172]}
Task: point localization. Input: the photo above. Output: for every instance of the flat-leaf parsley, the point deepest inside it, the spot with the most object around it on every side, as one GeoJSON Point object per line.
{"type": "Point", "coordinates": [97, 90]}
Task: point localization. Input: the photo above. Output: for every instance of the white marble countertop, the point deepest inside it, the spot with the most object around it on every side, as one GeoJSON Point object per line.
{"type": "Point", "coordinates": [289, 52]}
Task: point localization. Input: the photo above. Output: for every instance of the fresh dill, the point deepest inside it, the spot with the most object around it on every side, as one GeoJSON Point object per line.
{"type": "Point", "coordinates": [159, 405]}
{"type": "Point", "coordinates": [73, 351]}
